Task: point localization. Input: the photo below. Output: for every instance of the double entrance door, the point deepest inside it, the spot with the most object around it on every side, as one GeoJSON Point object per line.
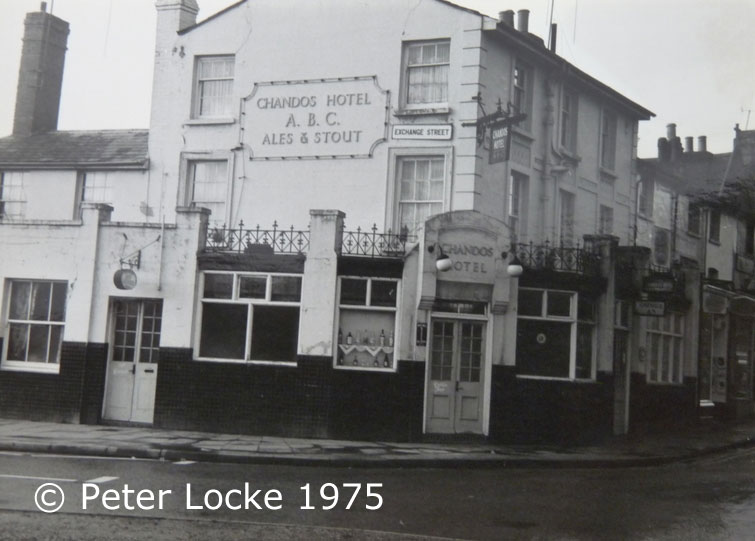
{"type": "Point", "coordinates": [457, 351]}
{"type": "Point", "coordinates": [132, 364]}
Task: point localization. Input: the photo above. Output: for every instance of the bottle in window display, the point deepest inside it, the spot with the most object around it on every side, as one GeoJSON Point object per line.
{"type": "Point", "coordinates": [390, 339]}
{"type": "Point", "coordinates": [382, 337]}
{"type": "Point", "coordinates": [340, 336]}
{"type": "Point", "coordinates": [349, 339]}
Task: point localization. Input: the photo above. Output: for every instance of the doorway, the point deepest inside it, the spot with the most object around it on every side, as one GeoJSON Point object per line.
{"type": "Point", "coordinates": [457, 351]}
{"type": "Point", "coordinates": [132, 360]}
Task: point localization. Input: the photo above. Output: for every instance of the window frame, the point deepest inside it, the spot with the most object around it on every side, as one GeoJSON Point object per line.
{"type": "Point", "coordinates": [574, 321]}
{"type": "Point", "coordinates": [50, 367]}
{"type": "Point", "coordinates": [714, 226]}
{"type": "Point", "coordinates": [645, 198]}
{"type": "Point", "coordinates": [675, 339]}
{"type": "Point", "coordinates": [605, 220]}
{"type": "Point", "coordinates": [609, 129]}
{"type": "Point", "coordinates": [367, 307]}
{"type": "Point", "coordinates": [396, 156]}
{"type": "Point", "coordinates": [568, 118]}
{"type": "Point", "coordinates": [406, 103]}
{"type": "Point", "coordinates": [567, 229]}
{"type": "Point", "coordinates": [236, 300]}
{"type": "Point", "coordinates": [694, 209]}
{"type": "Point", "coordinates": [521, 91]}
{"type": "Point", "coordinates": [186, 191]}
{"type": "Point", "coordinates": [197, 95]}
{"type": "Point", "coordinates": [8, 195]}
{"type": "Point", "coordinates": [517, 205]}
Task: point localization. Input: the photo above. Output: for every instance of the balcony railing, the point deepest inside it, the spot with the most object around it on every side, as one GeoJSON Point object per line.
{"type": "Point", "coordinates": [373, 244]}
{"type": "Point", "coordinates": [558, 258]}
{"type": "Point", "coordinates": [243, 240]}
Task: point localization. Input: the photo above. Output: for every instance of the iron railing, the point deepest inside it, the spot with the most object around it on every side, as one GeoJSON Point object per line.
{"type": "Point", "coordinates": [558, 258]}
{"type": "Point", "coordinates": [242, 240]}
{"type": "Point", "coordinates": [373, 244]}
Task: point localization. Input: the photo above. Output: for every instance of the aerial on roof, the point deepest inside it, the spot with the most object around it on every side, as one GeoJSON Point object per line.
{"type": "Point", "coordinates": [125, 149]}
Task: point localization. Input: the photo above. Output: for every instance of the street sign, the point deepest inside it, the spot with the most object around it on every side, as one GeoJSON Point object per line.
{"type": "Point", "coordinates": [650, 308]}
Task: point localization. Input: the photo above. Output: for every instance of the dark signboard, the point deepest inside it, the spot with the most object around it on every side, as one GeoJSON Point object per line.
{"type": "Point", "coordinates": [659, 283]}
{"type": "Point", "coordinates": [500, 142]}
{"type": "Point", "coordinates": [650, 308]}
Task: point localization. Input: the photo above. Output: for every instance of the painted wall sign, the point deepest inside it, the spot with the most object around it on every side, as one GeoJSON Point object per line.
{"type": "Point", "coordinates": [650, 308]}
{"type": "Point", "coordinates": [659, 284]}
{"type": "Point", "coordinates": [437, 132]}
{"type": "Point", "coordinates": [322, 118]}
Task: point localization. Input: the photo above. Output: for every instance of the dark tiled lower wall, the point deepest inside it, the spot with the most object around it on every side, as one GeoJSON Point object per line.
{"type": "Point", "coordinates": [549, 411]}
{"type": "Point", "coordinates": [309, 400]}
{"type": "Point", "coordinates": [656, 407]}
{"type": "Point", "coordinates": [55, 397]}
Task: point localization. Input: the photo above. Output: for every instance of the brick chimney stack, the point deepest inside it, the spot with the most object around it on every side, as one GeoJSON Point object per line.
{"type": "Point", "coordinates": [40, 77]}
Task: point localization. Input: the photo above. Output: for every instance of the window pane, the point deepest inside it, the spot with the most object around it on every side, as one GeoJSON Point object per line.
{"type": "Point", "coordinates": [17, 340]}
{"type": "Point", "coordinates": [20, 300]}
{"type": "Point", "coordinates": [543, 348]}
{"type": "Point", "coordinates": [56, 339]}
{"type": "Point", "coordinates": [58, 309]}
{"type": "Point", "coordinates": [218, 286]}
{"type": "Point", "coordinates": [530, 302]}
{"type": "Point", "coordinates": [223, 334]}
{"type": "Point", "coordinates": [559, 304]}
{"type": "Point", "coordinates": [286, 288]}
{"type": "Point", "coordinates": [383, 293]}
{"type": "Point", "coordinates": [354, 291]}
{"type": "Point", "coordinates": [584, 351]}
{"type": "Point", "coordinates": [586, 309]}
{"type": "Point", "coordinates": [38, 335]}
{"type": "Point", "coordinates": [40, 301]}
{"type": "Point", "coordinates": [252, 287]}
{"type": "Point", "coordinates": [275, 333]}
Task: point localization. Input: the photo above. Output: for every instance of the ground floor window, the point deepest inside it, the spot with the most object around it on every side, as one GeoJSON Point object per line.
{"type": "Point", "coordinates": [35, 320]}
{"type": "Point", "coordinates": [249, 316]}
{"type": "Point", "coordinates": [663, 343]}
{"type": "Point", "coordinates": [555, 334]}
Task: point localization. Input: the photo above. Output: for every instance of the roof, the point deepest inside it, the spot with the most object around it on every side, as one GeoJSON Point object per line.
{"type": "Point", "coordinates": [232, 6]}
{"type": "Point", "coordinates": [82, 149]}
{"type": "Point", "coordinates": [535, 45]}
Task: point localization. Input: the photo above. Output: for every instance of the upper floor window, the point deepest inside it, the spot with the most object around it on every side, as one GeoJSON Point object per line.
{"type": "Point", "coordinates": [426, 67]}
{"type": "Point", "coordinates": [693, 219]}
{"type": "Point", "coordinates": [422, 189]}
{"type": "Point", "coordinates": [608, 140]}
{"type": "Point", "coordinates": [662, 246]}
{"type": "Point", "coordinates": [566, 231]}
{"type": "Point", "coordinates": [12, 200]}
{"type": "Point", "coordinates": [605, 227]}
{"type": "Point", "coordinates": [208, 187]}
{"type": "Point", "coordinates": [646, 190]}
{"type": "Point", "coordinates": [568, 136]}
{"type": "Point", "coordinates": [96, 187]}
{"type": "Point", "coordinates": [522, 92]}
{"type": "Point", "coordinates": [714, 230]}
{"type": "Point", "coordinates": [213, 91]}
{"type": "Point", "coordinates": [35, 319]}
{"type": "Point", "coordinates": [518, 206]}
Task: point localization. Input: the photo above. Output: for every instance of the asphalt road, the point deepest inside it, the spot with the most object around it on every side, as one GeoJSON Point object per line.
{"type": "Point", "coordinates": [712, 498]}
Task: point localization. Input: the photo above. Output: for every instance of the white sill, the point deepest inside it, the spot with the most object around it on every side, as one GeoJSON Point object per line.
{"type": "Point", "coordinates": [365, 368]}
{"type": "Point", "coordinates": [241, 361]}
{"type": "Point", "coordinates": [36, 368]}
{"type": "Point", "coordinates": [210, 121]}
{"type": "Point", "coordinates": [552, 378]}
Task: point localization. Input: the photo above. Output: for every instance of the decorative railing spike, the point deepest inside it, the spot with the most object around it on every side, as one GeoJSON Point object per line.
{"type": "Point", "coordinates": [240, 239]}
{"type": "Point", "coordinates": [370, 243]}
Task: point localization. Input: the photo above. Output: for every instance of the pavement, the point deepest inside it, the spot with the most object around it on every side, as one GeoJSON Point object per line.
{"type": "Point", "coordinates": [175, 445]}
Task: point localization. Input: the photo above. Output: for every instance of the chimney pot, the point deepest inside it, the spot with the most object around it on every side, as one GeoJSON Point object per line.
{"type": "Point", "coordinates": [507, 17]}
{"type": "Point", "coordinates": [43, 7]}
{"type": "Point", "coordinates": [523, 18]}
{"type": "Point", "coordinates": [702, 143]}
{"type": "Point", "coordinates": [688, 144]}
{"type": "Point", "coordinates": [670, 131]}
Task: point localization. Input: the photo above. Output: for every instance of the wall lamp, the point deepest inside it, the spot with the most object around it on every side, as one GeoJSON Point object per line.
{"type": "Point", "coordinates": [443, 263]}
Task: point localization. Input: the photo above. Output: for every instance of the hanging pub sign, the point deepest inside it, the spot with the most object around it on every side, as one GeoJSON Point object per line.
{"type": "Point", "coordinates": [125, 279]}
{"type": "Point", "coordinates": [500, 142]}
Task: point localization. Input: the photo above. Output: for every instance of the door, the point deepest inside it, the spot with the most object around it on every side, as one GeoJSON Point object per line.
{"type": "Point", "coordinates": [455, 386]}
{"type": "Point", "coordinates": [132, 364]}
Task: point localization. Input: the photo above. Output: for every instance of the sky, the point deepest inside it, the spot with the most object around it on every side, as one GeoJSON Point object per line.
{"type": "Point", "coordinates": [687, 61]}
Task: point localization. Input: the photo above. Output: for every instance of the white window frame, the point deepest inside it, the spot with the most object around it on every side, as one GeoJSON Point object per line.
{"type": "Point", "coordinates": [49, 366]}
{"type": "Point", "coordinates": [96, 187]}
{"type": "Point", "coordinates": [693, 208]}
{"type": "Point", "coordinates": [573, 320]}
{"type": "Point", "coordinates": [186, 193]}
{"type": "Point", "coordinates": [395, 157]}
{"type": "Point", "coordinates": [199, 83]}
{"type": "Point", "coordinates": [714, 226]}
{"type": "Point", "coordinates": [406, 102]}
{"type": "Point", "coordinates": [12, 195]}
{"type": "Point", "coordinates": [569, 119]}
{"type": "Point", "coordinates": [664, 328]}
{"type": "Point", "coordinates": [609, 131]}
{"type": "Point", "coordinates": [645, 198]}
{"type": "Point", "coordinates": [522, 86]}
{"type": "Point", "coordinates": [236, 300]}
{"type": "Point", "coordinates": [517, 205]}
{"type": "Point", "coordinates": [605, 223]}
{"type": "Point", "coordinates": [368, 307]}
{"type": "Point", "coordinates": [567, 228]}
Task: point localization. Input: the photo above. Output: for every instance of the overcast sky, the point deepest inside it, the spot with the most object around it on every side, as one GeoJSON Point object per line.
{"type": "Point", "coordinates": [690, 62]}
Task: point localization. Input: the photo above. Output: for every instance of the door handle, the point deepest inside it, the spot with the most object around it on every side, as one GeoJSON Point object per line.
{"type": "Point", "coordinates": [149, 370]}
